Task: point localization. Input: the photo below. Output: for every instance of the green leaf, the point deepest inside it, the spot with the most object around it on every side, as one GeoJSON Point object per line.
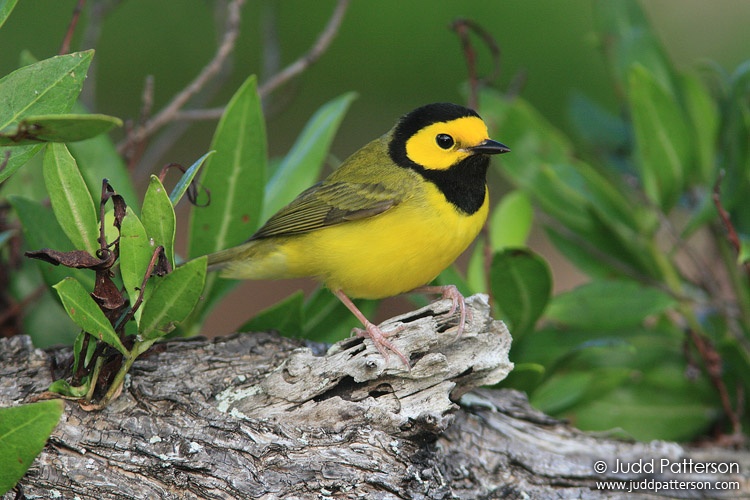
{"type": "Point", "coordinates": [476, 272]}
{"type": "Point", "coordinates": [525, 377]}
{"type": "Point", "coordinates": [510, 222]}
{"type": "Point", "coordinates": [71, 201]}
{"type": "Point", "coordinates": [6, 7]}
{"type": "Point", "coordinates": [562, 391]}
{"type": "Point", "coordinates": [57, 128]}
{"type": "Point", "coordinates": [284, 317]}
{"type": "Point", "coordinates": [86, 313]}
{"type": "Point", "coordinates": [521, 286]}
{"type": "Point", "coordinates": [158, 217]}
{"type": "Point", "coordinates": [136, 250]}
{"type": "Point", "coordinates": [235, 176]}
{"type": "Point", "coordinates": [47, 87]}
{"type": "Point", "coordinates": [77, 351]}
{"type": "Point", "coordinates": [608, 305]}
{"type": "Point", "coordinates": [64, 388]}
{"type": "Point", "coordinates": [659, 404]}
{"type": "Point", "coordinates": [704, 125]}
{"type": "Point", "coordinates": [662, 138]}
{"type": "Point", "coordinates": [24, 430]}
{"type": "Point", "coordinates": [173, 298]}
{"type": "Point", "coordinates": [599, 128]}
{"type": "Point", "coordinates": [301, 166]}
{"type": "Point", "coordinates": [628, 39]}
{"type": "Point", "coordinates": [577, 251]}
{"type": "Point", "coordinates": [187, 178]}
{"type": "Point", "coordinates": [17, 157]}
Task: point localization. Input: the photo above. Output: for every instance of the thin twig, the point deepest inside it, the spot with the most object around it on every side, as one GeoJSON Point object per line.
{"type": "Point", "coordinates": [147, 103]}
{"type": "Point", "coordinates": [167, 114]}
{"type": "Point", "coordinates": [192, 115]}
{"type": "Point", "coordinates": [321, 45]}
{"type": "Point", "coordinates": [734, 240]}
{"type": "Point", "coordinates": [463, 28]}
{"type": "Point", "coordinates": [65, 47]}
{"type": "Point", "coordinates": [713, 365]}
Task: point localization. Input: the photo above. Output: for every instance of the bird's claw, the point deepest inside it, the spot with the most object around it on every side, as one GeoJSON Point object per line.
{"type": "Point", "coordinates": [380, 340]}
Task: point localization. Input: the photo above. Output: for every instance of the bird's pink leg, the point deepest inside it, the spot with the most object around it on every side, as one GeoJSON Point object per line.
{"type": "Point", "coordinates": [372, 331]}
{"type": "Point", "coordinates": [449, 292]}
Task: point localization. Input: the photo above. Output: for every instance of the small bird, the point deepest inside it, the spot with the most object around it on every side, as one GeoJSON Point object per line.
{"type": "Point", "coordinates": [393, 216]}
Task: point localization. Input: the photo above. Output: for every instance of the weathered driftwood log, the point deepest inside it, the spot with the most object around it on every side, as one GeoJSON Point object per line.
{"type": "Point", "coordinates": [261, 416]}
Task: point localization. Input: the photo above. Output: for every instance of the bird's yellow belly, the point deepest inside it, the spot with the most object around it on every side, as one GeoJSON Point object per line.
{"type": "Point", "coordinates": [392, 253]}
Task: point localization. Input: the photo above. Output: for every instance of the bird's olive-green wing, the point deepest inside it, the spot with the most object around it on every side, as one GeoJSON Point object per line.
{"type": "Point", "coordinates": [329, 203]}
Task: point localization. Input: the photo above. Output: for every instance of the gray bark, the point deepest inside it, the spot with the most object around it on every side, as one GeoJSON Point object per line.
{"type": "Point", "coordinates": [261, 416]}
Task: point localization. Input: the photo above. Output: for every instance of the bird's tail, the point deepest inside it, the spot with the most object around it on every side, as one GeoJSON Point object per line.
{"type": "Point", "coordinates": [221, 259]}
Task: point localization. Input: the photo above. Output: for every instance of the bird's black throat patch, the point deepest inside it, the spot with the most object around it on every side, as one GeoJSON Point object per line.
{"type": "Point", "coordinates": [464, 184]}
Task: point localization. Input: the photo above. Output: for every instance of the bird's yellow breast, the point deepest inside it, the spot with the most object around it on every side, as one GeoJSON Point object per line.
{"type": "Point", "coordinates": [388, 254]}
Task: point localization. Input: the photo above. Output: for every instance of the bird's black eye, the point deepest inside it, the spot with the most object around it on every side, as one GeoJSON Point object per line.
{"type": "Point", "coordinates": [444, 141]}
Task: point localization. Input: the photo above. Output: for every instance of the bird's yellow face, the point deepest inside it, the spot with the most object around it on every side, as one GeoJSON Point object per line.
{"type": "Point", "coordinates": [443, 144]}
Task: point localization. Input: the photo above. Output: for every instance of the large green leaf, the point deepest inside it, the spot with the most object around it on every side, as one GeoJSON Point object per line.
{"type": "Point", "coordinates": [6, 7]}
{"type": "Point", "coordinates": [627, 38]}
{"type": "Point", "coordinates": [173, 298]}
{"type": "Point", "coordinates": [24, 430]}
{"type": "Point", "coordinates": [704, 125]}
{"type": "Point", "coordinates": [136, 250]}
{"type": "Point", "coordinates": [71, 201]}
{"type": "Point", "coordinates": [561, 392]}
{"type": "Point", "coordinates": [47, 87]}
{"type": "Point", "coordinates": [86, 313]}
{"type": "Point", "coordinates": [57, 128]}
{"type": "Point", "coordinates": [608, 305]}
{"type": "Point", "coordinates": [521, 286]}
{"type": "Point", "coordinates": [659, 404]}
{"type": "Point", "coordinates": [594, 264]}
{"type": "Point", "coordinates": [301, 166]}
{"type": "Point", "coordinates": [158, 217]}
{"type": "Point", "coordinates": [510, 223]}
{"type": "Point", "coordinates": [235, 176]}
{"type": "Point", "coordinates": [662, 139]}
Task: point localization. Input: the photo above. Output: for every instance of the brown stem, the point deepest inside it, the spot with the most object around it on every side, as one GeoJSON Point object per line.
{"type": "Point", "coordinates": [65, 47]}
{"type": "Point", "coordinates": [319, 47]}
{"type": "Point", "coordinates": [464, 28]}
{"type": "Point", "coordinates": [713, 365]}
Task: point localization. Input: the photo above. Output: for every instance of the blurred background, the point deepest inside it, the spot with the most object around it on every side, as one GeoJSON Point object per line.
{"type": "Point", "coordinates": [395, 55]}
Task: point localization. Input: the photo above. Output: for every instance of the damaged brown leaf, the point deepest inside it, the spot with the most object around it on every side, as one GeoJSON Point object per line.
{"type": "Point", "coordinates": [77, 259]}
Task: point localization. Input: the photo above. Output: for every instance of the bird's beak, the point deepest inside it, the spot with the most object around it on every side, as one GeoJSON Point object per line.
{"type": "Point", "coordinates": [489, 147]}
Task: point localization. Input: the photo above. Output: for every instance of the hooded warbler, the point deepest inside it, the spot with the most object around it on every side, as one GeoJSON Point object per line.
{"type": "Point", "coordinates": [392, 217]}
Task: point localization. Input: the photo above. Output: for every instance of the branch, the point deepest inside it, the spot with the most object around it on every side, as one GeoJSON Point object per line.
{"type": "Point", "coordinates": [262, 416]}
{"type": "Point", "coordinates": [168, 113]}
{"type": "Point", "coordinates": [320, 46]}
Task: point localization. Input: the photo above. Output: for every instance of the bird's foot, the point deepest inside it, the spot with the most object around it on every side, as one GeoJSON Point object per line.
{"type": "Point", "coordinates": [380, 340]}
{"type": "Point", "coordinates": [458, 303]}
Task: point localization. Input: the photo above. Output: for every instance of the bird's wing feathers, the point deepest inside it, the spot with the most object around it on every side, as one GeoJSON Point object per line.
{"type": "Point", "coordinates": [327, 204]}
